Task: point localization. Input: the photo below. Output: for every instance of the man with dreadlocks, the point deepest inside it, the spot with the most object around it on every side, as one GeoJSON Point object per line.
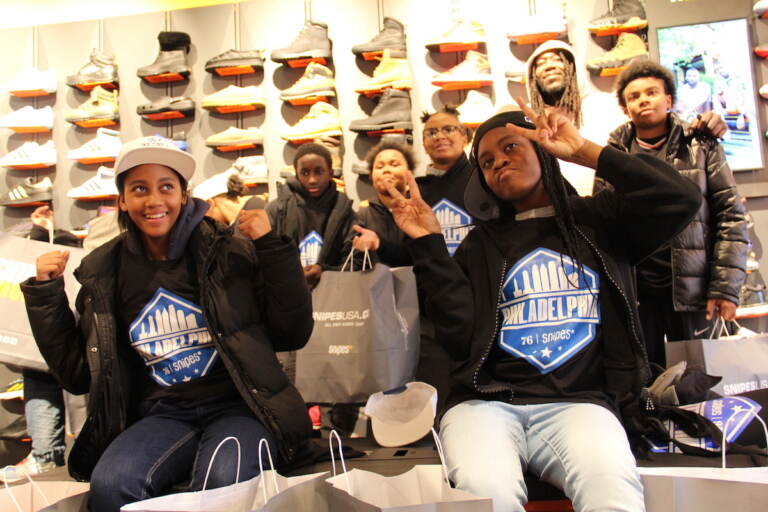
{"type": "Point", "coordinates": [538, 310]}
{"type": "Point", "coordinates": [553, 85]}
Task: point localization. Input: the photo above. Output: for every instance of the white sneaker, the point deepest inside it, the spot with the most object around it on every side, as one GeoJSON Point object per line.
{"type": "Point", "coordinates": [28, 117]}
{"type": "Point", "coordinates": [234, 136]}
{"type": "Point", "coordinates": [105, 146]}
{"type": "Point", "coordinates": [101, 186]}
{"type": "Point", "coordinates": [474, 68]}
{"type": "Point", "coordinates": [477, 107]}
{"type": "Point", "coordinates": [537, 28]}
{"type": "Point", "coordinates": [31, 154]}
{"type": "Point", "coordinates": [33, 80]}
{"type": "Point", "coordinates": [233, 95]}
{"type": "Point", "coordinates": [251, 169]}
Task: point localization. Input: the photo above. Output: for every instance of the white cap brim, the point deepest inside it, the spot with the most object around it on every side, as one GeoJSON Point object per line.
{"type": "Point", "coordinates": [404, 417]}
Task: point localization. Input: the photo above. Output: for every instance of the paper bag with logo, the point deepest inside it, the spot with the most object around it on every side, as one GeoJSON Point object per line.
{"type": "Point", "coordinates": [676, 489]}
{"type": "Point", "coordinates": [366, 335]}
{"type": "Point", "coordinates": [742, 361]}
{"type": "Point", "coordinates": [17, 263]}
{"type": "Point", "coordinates": [424, 488]}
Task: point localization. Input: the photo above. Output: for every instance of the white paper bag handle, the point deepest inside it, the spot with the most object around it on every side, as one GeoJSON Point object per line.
{"type": "Point", "coordinates": [34, 486]}
{"type": "Point", "coordinates": [440, 452]}
{"type": "Point", "coordinates": [351, 261]}
{"type": "Point", "coordinates": [719, 322]}
{"type": "Point", "coordinates": [725, 432]}
{"type": "Point", "coordinates": [213, 457]}
{"type": "Point", "coordinates": [262, 443]}
{"type": "Point", "coordinates": [341, 458]}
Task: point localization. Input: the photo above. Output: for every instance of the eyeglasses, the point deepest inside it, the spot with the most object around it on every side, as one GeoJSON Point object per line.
{"type": "Point", "coordinates": [447, 130]}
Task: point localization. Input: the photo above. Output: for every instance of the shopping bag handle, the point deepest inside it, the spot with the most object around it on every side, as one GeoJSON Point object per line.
{"type": "Point", "coordinates": [341, 458]}
{"type": "Point", "coordinates": [440, 452]}
{"type": "Point", "coordinates": [725, 432]}
{"type": "Point", "coordinates": [351, 262]}
{"type": "Point", "coordinates": [719, 322]}
{"type": "Point", "coordinates": [262, 443]}
{"type": "Point", "coordinates": [213, 457]}
{"type": "Point", "coordinates": [34, 486]}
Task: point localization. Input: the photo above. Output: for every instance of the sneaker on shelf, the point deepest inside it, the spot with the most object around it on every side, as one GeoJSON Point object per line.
{"type": "Point", "coordinates": [391, 72]}
{"type": "Point", "coordinates": [392, 112]}
{"type": "Point", "coordinates": [100, 68]}
{"type": "Point", "coordinates": [462, 32]}
{"type": "Point", "coordinates": [172, 58]}
{"type": "Point", "coordinates": [13, 390]}
{"type": "Point", "coordinates": [317, 80]}
{"type": "Point", "coordinates": [29, 193]}
{"type": "Point", "coordinates": [625, 15]}
{"type": "Point", "coordinates": [102, 104]}
{"type": "Point", "coordinates": [629, 46]}
{"type": "Point", "coordinates": [392, 36]}
{"type": "Point", "coordinates": [233, 95]}
{"type": "Point", "coordinates": [33, 80]}
{"type": "Point", "coordinates": [106, 145]}
{"type": "Point", "coordinates": [236, 58]}
{"type": "Point", "coordinates": [760, 8]}
{"type": "Point", "coordinates": [333, 144]}
{"type": "Point", "coordinates": [233, 136]}
{"type": "Point", "coordinates": [31, 154]}
{"type": "Point", "coordinates": [30, 466]}
{"type": "Point", "coordinates": [321, 120]}
{"type": "Point", "coordinates": [250, 169]}
{"type": "Point", "coordinates": [182, 104]}
{"type": "Point", "coordinates": [474, 68]}
{"type": "Point", "coordinates": [477, 107]}
{"type": "Point", "coordinates": [310, 43]}
{"type": "Point", "coordinates": [101, 186]}
{"type": "Point", "coordinates": [28, 117]}
{"type": "Point", "coordinates": [537, 28]}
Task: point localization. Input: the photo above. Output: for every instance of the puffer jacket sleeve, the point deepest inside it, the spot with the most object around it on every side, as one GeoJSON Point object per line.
{"type": "Point", "coordinates": [728, 228]}
{"type": "Point", "coordinates": [287, 299]}
{"type": "Point", "coordinates": [59, 338]}
{"type": "Point", "coordinates": [448, 297]}
{"type": "Point", "coordinates": [649, 204]}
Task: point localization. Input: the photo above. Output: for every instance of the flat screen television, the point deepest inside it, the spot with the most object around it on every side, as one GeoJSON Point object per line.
{"type": "Point", "coordinates": [712, 66]}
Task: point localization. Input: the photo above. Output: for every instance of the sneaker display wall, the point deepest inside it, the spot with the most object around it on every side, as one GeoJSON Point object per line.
{"type": "Point", "coordinates": [310, 43]}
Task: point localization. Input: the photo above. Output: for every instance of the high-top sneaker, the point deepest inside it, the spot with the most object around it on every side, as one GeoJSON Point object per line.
{"type": "Point", "coordinates": [628, 46]}
{"type": "Point", "coordinates": [101, 105]}
{"type": "Point", "coordinates": [172, 58]}
{"type": "Point", "coordinates": [625, 15]}
{"type": "Point", "coordinates": [474, 68]}
{"type": "Point", "coordinates": [392, 36]}
{"type": "Point", "coordinates": [317, 80]}
{"type": "Point", "coordinates": [392, 112]}
{"type": "Point", "coordinates": [391, 72]}
{"type": "Point", "coordinates": [29, 193]}
{"type": "Point", "coordinates": [311, 42]}
{"type": "Point", "coordinates": [100, 68]}
{"type": "Point", "coordinates": [322, 119]}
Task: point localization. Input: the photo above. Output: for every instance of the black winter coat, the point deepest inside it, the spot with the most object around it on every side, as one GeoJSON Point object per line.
{"type": "Point", "coordinates": [709, 256]}
{"type": "Point", "coordinates": [255, 302]}
{"type": "Point", "coordinates": [650, 204]}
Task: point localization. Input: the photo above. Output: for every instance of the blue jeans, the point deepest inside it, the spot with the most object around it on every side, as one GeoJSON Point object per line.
{"type": "Point", "coordinates": [579, 447]}
{"type": "Point", "coordinates": [172, 443]}
{"type": "Point", "coordinates": [44, 412]}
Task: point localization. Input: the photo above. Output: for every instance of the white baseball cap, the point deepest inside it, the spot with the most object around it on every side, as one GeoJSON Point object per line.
{"type": "Point", "coordinates": [154, 150]}
{"type": "Point", "coordinates": [402, 415]}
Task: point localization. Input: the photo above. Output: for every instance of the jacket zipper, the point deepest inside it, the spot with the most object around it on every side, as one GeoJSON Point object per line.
{"type": "Point", "coordinates": [487, 351]}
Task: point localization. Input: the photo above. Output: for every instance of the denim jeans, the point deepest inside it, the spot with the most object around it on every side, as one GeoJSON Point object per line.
{"type": "Point", "coordinates": [173, 443]}
{"type": "Point", "coordinates": [579, 447]}
{"type": "Point", "coordinates": [44, 412]}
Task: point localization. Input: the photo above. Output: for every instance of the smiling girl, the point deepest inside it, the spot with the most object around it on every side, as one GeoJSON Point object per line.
{"type": "Point", "coordinates": [175, 341]}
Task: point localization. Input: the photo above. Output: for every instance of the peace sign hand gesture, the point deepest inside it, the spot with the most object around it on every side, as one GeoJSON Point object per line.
{"type": "Point", "coordinates": [558, 136]}
{"type": "Point", "coordinates": [412, 215]}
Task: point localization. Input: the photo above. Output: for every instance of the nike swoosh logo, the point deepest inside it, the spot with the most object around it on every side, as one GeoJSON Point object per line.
{"type": "Point", "coordinates": [698, 333]}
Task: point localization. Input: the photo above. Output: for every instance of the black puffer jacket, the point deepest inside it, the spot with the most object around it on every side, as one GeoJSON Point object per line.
{"type": "Point", "coordinates": [709, 256]}
{"type": "Point", "coordinates": [650, 204]}
{"type": "Point", "coordinates": [255, 302]}
{"type": "Point", "coordinates": [287, 217]}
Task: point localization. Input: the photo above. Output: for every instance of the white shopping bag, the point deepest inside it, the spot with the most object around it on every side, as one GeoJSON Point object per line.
{"type": "Point", "coordinates": [37, 496]}
{"type": "Point", "coordinates": [706, 489]}
{"type": "Point", "coordinates": [424, 488]}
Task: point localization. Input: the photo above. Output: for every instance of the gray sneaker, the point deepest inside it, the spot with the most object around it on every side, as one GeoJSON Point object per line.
{"type": "Point", "coordinates": [311, 43]}
{"type": "Point", "coordinates": [100, 68]}
{"type": "Point", "coordinates": [392, 112]}
{"type": "Point", "coordinates": [392, 36]}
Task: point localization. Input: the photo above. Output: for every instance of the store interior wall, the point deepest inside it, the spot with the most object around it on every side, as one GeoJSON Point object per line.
{"type": "Point", "coordinates": [272, 24]}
